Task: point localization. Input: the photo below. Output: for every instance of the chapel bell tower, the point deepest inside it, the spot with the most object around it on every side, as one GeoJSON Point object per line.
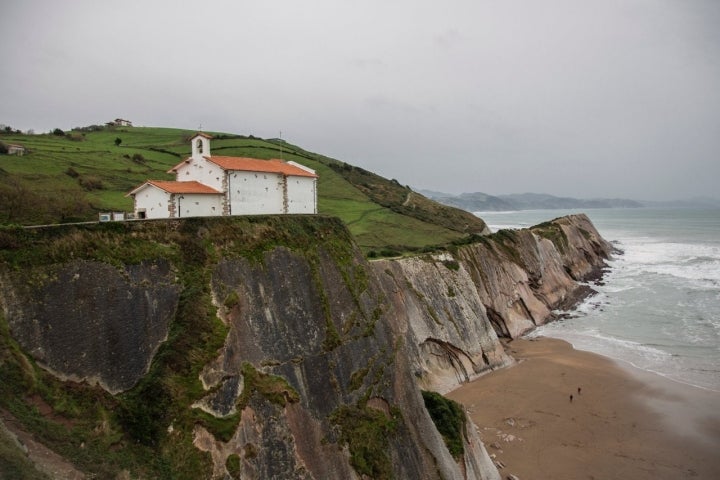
{"type": "Point", "coordinates": [200, 145]}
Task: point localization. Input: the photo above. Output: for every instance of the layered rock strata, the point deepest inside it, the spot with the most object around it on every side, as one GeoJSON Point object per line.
{"type": "Point", "coordinates": [320, 343]}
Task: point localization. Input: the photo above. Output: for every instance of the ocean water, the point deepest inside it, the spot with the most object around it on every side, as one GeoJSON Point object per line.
{"type": "Point", "coordinates": [658, 307]}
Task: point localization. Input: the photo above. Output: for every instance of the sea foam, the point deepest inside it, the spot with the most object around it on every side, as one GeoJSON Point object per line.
{"type": "Point", "coordinates": [658, 308]}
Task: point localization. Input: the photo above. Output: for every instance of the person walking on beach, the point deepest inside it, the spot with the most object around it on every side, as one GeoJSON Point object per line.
{"type": "Point", "coordinates": [571, 397]}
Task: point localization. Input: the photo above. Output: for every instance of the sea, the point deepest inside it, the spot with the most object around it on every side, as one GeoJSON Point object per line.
{"type": "Point", "coordinates": [658, 306]}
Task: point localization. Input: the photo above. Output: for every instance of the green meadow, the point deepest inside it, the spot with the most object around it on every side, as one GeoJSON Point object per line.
{"type": "Point", "coordinates": [72, 176]}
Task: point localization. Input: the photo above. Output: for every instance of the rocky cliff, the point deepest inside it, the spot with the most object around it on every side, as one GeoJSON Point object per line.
{"type": "Point", "coordinates": [265, 347]}
{"type": "Point", "coordinates": [452, 307]}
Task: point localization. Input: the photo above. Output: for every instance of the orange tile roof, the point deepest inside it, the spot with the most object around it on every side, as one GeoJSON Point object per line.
{"type": "Point", "coordinates": [246, 164]}
{"type": "Point", "coordinates": [179, 187]}
{"type": "Point", "coordinates": [255, 165]}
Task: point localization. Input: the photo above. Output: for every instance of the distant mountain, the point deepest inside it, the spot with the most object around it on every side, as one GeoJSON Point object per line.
{"type": "Point", "coordinates": [472, 202]}
{"type": "Point", "coordinates": [526, 201]}
{"type": "Point", "coordinates": [699, 202]}
{"type": "Point", "coordinates": [482, 202]}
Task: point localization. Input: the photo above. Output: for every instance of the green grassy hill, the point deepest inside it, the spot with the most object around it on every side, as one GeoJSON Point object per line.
{"type": "Point", "coordinates": [74, 175]}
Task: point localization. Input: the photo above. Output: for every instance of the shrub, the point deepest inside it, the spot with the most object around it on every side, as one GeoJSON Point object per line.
{"type": "Point", "coordinates": [367, 433]}
{"type": "Point", "coordinates": [452, 265]}
{"type": "Point", "coordinates": [231, 300]}
{"type": "Point", "coordinates": [144, 413]}
{"type": "Point", "coordinates": [449, 419]}
{"type": "Point", "coordinates": [232, 464]}
{"type": "Point", "coordinates": [273, 388]}
{"type": "Point", "coordinates": [91, 182]}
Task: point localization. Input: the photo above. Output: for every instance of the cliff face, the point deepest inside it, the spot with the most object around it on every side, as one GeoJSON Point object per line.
{"type": "Point", "coordinates": [73, 318]}
{"type": "Point", "coordinates": [451, 308]}
{"type": "Point", "coordinates": [322, 327]}
{"type": "Point", "coordinates": [439, 313]}
{"type": "Point", "coordinates": [521, 276]}
{"type": "Point", "coordinates": [267, 347]}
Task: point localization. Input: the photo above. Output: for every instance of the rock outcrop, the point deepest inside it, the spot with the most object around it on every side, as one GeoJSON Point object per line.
{"type": "Point", "coordinates": [451, 309]}
{"type": "Point", "coordinates": [440, 315]}
{"type": "Point", "coordinates": [522, 276]}
{"type": "Point", "coordinates": [89, 321]}
{"type": "Point", "coordinates": [318, 369]}
{"type": "Point", "coordinates": [326, 330]}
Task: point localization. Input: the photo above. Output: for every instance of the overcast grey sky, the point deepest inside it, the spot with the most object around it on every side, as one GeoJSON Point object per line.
{"type": "Point", "coordinates": [585, 98]}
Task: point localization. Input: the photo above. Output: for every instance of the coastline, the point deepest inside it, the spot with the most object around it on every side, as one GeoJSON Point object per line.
{"type": "Point", "coordinates": [623, 423]}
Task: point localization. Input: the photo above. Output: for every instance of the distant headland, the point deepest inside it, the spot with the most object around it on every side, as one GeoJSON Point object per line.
{"type": "Point", "coordinates": [483, 202]}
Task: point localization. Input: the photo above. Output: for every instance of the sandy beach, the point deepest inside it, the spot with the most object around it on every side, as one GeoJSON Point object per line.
{"type": "Point", "coordinates": [622, 423]}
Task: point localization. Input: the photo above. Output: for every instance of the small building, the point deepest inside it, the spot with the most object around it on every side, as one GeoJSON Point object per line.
{"type": "Point", "coordinates": [208, 185]}
{"type": "Point", "coordinates": [14, 149]}
{"type": "Point", "coordinates": [119, 122]}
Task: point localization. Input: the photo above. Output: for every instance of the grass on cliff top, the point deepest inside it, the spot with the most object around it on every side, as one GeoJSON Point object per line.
{"type": "Point", "coordinates": [72, 177]}
{"type": "Point", "coordinates": [553, 231]}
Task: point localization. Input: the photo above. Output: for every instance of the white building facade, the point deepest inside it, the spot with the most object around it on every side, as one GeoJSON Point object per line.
{"type": "Point", "coordinates": [13, 149]}
{"type": "Point", "coordinates": [155, 199]}
{"type": "Point", "coordinates": [209, 185]}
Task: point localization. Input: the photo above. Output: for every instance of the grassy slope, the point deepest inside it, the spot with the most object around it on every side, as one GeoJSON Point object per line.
{"type": "Point", "coordinates": [379, 212]}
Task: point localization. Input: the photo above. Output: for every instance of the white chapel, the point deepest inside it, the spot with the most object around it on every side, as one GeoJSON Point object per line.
{"type": "Point", "coordinates": [207, 185]}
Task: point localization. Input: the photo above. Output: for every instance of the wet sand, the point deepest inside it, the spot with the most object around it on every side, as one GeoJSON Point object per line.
{"type": "Point", "coordinates": [624, 423]}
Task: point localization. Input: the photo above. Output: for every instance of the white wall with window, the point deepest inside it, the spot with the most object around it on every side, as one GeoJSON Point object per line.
{"type": "Point", "coordinates": [152, 202]}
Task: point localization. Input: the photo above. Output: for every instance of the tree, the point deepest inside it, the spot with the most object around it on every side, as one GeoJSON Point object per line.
{"type": "Point", "coordinates": [58, 132]}
{"type": "Point", "coordinates": [118, 141]}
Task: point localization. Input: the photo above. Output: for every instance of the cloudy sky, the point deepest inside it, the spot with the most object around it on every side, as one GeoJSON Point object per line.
{"type": "Point", "coordinates": [585, 98]}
